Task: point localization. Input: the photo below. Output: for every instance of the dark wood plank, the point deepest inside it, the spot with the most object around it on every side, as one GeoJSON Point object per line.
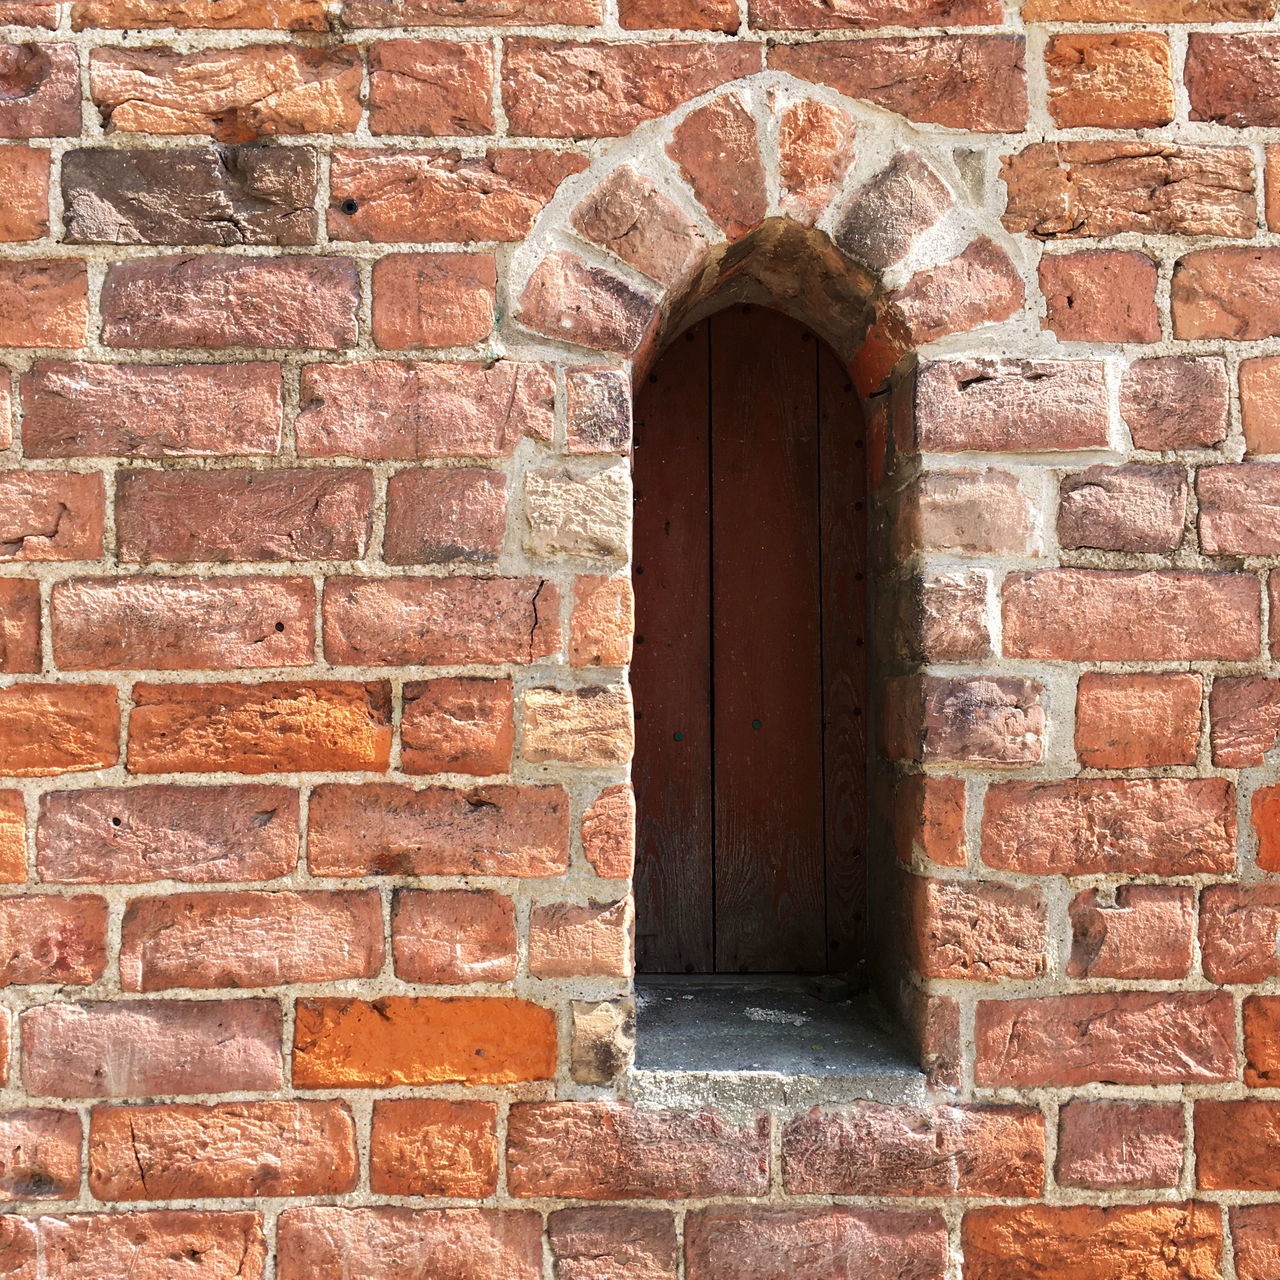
{"type": "Point", "coordinates": [671, 670]}
{"type": "Point", "coordinates": [767, 674]}
{"type": "Point", "coordinates": [843, 504]}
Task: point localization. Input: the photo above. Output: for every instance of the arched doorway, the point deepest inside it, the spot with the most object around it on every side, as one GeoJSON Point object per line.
{"type": "Point", "coordinates": [750, 667]}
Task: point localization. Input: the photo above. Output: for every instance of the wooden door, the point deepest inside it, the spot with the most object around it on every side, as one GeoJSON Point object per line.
{"type": "Point", "coordinates": [749, 669]}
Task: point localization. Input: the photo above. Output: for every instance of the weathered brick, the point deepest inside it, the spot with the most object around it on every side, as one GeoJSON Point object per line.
{"type": "Point", "coordinates": [183, 1150]}
{"type": "Point", "coordinates": [635, 1244]}
{"type": "Point", "coordinates": [433, 621]}
{"type": "Point", "coordinates": [47, 729]}
{"type": "Point", "coordinates": [442, 195]}
{"type": "Point", "coordinates": [1237, 1145]}
{"type": "Point", "coordinates": [683, 15]}
{"type": "Point", "coordinates": [171, 624]}
{"type": "Point", "coordinates": [569, 300]}
{"type": "Point", "coordinates": [554, 89]}
{"type": "Point", "coordinates": [19, 626]}
{"type": "Point", "coordinates": [942, 617]}
{"type": "Point", "coordinates": [1233, 80]}
{"type": "Point", "coordinates": [1126, 508]}
{"type": "Point", "coordinates": [593, 940]}
{"type": "Point", "coordinates": [135, 834]}
{"type": "Point", "coordinates": [13, 865]}
{"type": "Point", "coordinates": [1244, 719]}
{"type": "Point", "coordinates": [458, 724]}
{"type": "Point", "coordinates": [884, 219]}
{"type": "Point", "coordinates": [219, 300]}
{"type": "Point", "coordinates": [135, 1048]}
{"type": "Point", "coordinates": [44, 302]}
{"type": "Point", "coordinates": [609, 832]}
{"type": "Point", "coordinates": [1102, 295]}
{"type": "Point", "coordinates": [430, 1147]}
{"type": "Point", "coordinates": [856, 15]}
{"type": "Point", "coordinates": [973, 931]}
{"type": "Point", "coordinates": [1117, 80]}
{"type": "Point", "coordinates": [453, 936]}
{"type": "Point", "coordinates": [1226, 293]}
{"type": "Point", "coordinates": [441, 831]}
{"type": "Point", "coordinates": [970, 719]}
{"type": "Point", "coordinates": [439, 514]}
{"type": "Point", "coordinates": [758, 1243]}
{"type": "Point", "coordinates": [1238, 929]}
{"type": "Point", "coordinates": [591, 726]}
{"type": "Point", "coordinates": [42, 90]}
{"type": "Point", "coordinates": [1261, 1041]}
{"type": "Point", "coordinates": [431, 87]}
{"type": "Point", "coordinates": [1085, 615]}
{"type": "Point", "coordinates": [1097, 826]}
{"type": "Point", "coordinates": [871, 1149]}
{"type": "Point", "coordinates": [330, 1243]}
{"type": "Point", "coordinates": [1239, 509]}
{"type": "Point", "coordinates": [967, 512]}
{"type": "Point", "coordinates": [1160, 1241]}
{"type": "Point", "coordinates": [41, 1155]}
{"type": "Point", "coordinates": [1260, 404]}
{"type": "Point", "coordinates": [233, 95]}
{"type": "Point", "coordinates": [612, 1151]}
{"type": "Point", "coordinates": [587, 516]}
{"type": "Point", "coordinates": [30, 13]}
{"type": "Point", "coordinates": [1255, 1231]}
{"type": "Point", "coordinates": [1128, 1037]}
{"type": "Point", "coordinates": [386, 409]}
{"type": "Point", "coordinates": [49, 939]}
{"type": "Point", "coordinates": [409, 1040]}
{"type": "Point", "coordinates": [997, 405]}
{"type": "Point", "coordinates": [433, 299]}
{"type": "Point", "coordinates": [279, 15]}
{"type": "Point", "coordinates": [1069, 189]}
{"type": "Point", "coordinates": [197, 195]}
{"type": "Point", "coordinates": [1265, 814]}
{"type": "Point", "coordinates": [1146, 934]}
{"type": "Point", "coordinates": [24, 172]}
{"type": "Point", "coordinates": [718, 151]}
{"type": "Point", "coordinates": [1106, 1145]}
{"type": "Point", "coordinates": [275, 727]}
{"type": "Point", "coordinates": [250, 939]}
{"type": "Point", "coordinates": [51, 515]}
{"type": "Point", "coordinates": [1176, 402]}
{"type": "Point", "coordinates": [965, 82]}
{"type": "Point", "coordinates": [470, 13]}
{"type": "Point", "coordinates": [1138, 721]}
{"type": "Point", "coordinates": [603, 621]}
{"type": "Point", "coordinates": [235, 515]}
{"type": "Point", "coordinates": [815, 152]}
{"type": "Point", "coordinates": [74, 410]}
{"type": "Point", "coordinates": [604, 1040]}
{"type": "Point", "coordinates": [929, 813]}
{"type": "Point", "coordinates": [1148, 10]}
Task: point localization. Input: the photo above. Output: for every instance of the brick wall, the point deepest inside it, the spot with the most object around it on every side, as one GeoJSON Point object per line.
{"type": "Point", "coordinates": [320, 323]}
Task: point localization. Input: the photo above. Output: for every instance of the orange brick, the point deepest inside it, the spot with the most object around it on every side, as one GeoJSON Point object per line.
{"type": "Point", "coordinates": [430, 1147]}
{"type": "Point", "coordinates": [1138, 721]}
{"type": "Point", "coordinates": [1116, 80]}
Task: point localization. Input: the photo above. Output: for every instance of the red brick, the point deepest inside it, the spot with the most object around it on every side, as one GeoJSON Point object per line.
{"type": "Point", "coordinates": [569, 300]}
{"type": "Point", "coordinates": [433, 299]}
{"type": "Point", "coordinates": [1265, 813]}
{"type": "Point", "coordinates": [1176, 402]}
{"type": "Point", "coordinates": [42, 90]}
{"type": "Point", "coordinates": [612, 1151]}
{"type": "Point", "coordinates": [929, 813]}
{"type": "Point", "coordinates": [1261, 1041]}
{"type": "Point", "coordinates": [1070, 189]}
{"type": "Point", "coordinates": [47, 729]}
{"type": "Point", "coordinates": [1097, 826]}
{"type": "Point", "coordinates": [13, 868]}
{"type": "Point", "coordinates": [1148, 10]}
{"type": "Point", "coordinates": [1233, 79]}
{"type": "Point", "coordinates": [18, 1247]}
{"type": "Point", "coordinates": [1238, 929]}
{"type": "Point", "coordinates": [1138, 721]}
{"type": "Point", "coordinates": [570, 940]}
{"type": "Point", "coordinates": [39, 1156]}
{"type": "Point", "coordinates": [1259, 398]}
{"type": "Point", "coordinates": [249, 939]}
{"type": "Point", "coordinates": [183, 1151]}
{"type": "Point", "coordinates": [1117, 80]}
{"type": "Point", "coordinates": [135, 1048]}
{"type": "Point", "coordinates": [30, 13]}
{"type": "Point", "coordinates": [233, 95]}
{"type": "Point", "coordinates": [1023, 405]}
{"type": "Point", "coordinates": [1244, 720]}
{"type": "Point", "coordinates": [1237, 1145]}
{"type": "Point", "coordinates": [682, 15]}
{"type": "Point", "coordinates": [174, 624]}
{"type": "Point", "coordinates": [274, 727]}
{"type": "Point", "coordinates": [835, 1243]}
{"type": "Point", "coordinates": [609, 832]}
{"type": "Point", "coordinates": [329, 1243]}
{"type": "Point", "coordinates": [1157, 1242]}
{"type": "Point", "coordinates": [1239, 509]}
{"type": "Point", "coordinates": [1110, 1146]}
{"type": "Point", "coordinates": [458, 725]}
{"type": "Point", "coordinates": [1100, 296]}
{"type": "Point", "coordinates": [859, 15]}
{"type": "Point", "coordinates": [145, 1246]}
{"type": "Point", "coordinates": [432, 87]}
{"type": "Point", "coordinates": [553, 89]}
{"type": "Point", "coordinates": [1128, 1037]}
{"type": "Point", "coordinates": [442, 195]}
{"type": "Point", "coordinates": [441, 831]}
{"type": "Point", "coordinates": [135, 834]}
{"type": "Point", "coordinates": [220, 300]}
{"type": "Point", "coordinates": [1255, 1229]}
{"type": "Point", "coordinates": [815, 152]}
{"type": "Point", "coordinates": [439, 514]}
{"type": "Point", "coordinates": [19, 626]}
{"type": "Point", "coordinates": [51, 515]}
{"type": "Point", "coordinates": [1226, 293]}
{"type": "Point", "coordinates": [602, 622]}
{"type": "Point", "coordinates": [453, 936]}
{"type": "Point", "coordinates": [278, 15]}
{"type": "Point", "coordinates": [1087, 615]}
{"type": "Point", "coordinates": [76, 410]}
{"type": "Point", "coordinates": [430, 1147]}
{"type": "Point", "coordinates": [965, 82]}
{"type": "Point", "coordinates": [979, 932]}
{"type": "Point", "coordinates": [243, 515]}
{"type": "Point", "coordinates": [470, 13]}
{"type": "Point", "coordinates": [43, 303]}
{"type": "Point", "coordinates": [24, 173]}
{"type": "Point", "coordinates": [871, 1149]}
{"type": "Point", "coordinates": [407, 1040]}
{"type": "Point", "coordinates": [436, 621]}
{"type": "Point", "coordinates": [613, 1244]}
{"type": "Point", "coordinates": [718, 151]}
{"type": "Point", "coordinates": [1148, 933]}
{"type": "Point", "coordinates": [48, 939]}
